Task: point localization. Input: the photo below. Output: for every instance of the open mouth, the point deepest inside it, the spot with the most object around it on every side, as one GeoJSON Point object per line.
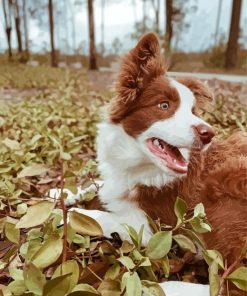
{"type": "Point", "coordinates": [169, 154]}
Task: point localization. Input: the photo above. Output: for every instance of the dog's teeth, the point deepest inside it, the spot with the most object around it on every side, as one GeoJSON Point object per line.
{"type": "Point", "coordinates": [156, 142]}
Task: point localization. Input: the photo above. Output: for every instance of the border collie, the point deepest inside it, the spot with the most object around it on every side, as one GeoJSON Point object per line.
{"type": "Point", "coordinates": [154, 146]}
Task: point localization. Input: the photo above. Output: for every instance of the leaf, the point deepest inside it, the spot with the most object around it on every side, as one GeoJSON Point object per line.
{"type": "Point", "coordinates": [165, 266]}
{"type": "Point", "coordinates": [84, 224]}
{"type": "Point", "coordinates": [159, 245]}
{"type": "Point", "coordinates": [17, 287]}
{"type": "Point", "coordinates": [34, 279]}
{"type": "Point", "coordinates": [112, 272]}
{"type": "Point", "coordinates": [57, 286]}
{"type": "Point", "coordinates": [132, 233]}
{"type": "Point", "coordinates": [32, 170]}
{"type": "Point", "coordinates": [16, 274]}
{"type": "Point", "coordinates": [199, 211]}
{"type": "Point", "coordinates": [109, 288]}
{"type": "Point", "coordinates": [214, 279]}
{"type": "Point", "coordinates": [48, 253]}
{"type": "Point", "coordinates": [133, 285]}
{"type": "Point", "coordinates": [152, 289]}
{"type": "Point", "coordinates": [180, 209]}
{"type": "Point", "coordinates": [83, 290]}
{"type": "Point", "coordinates": [12, 233]}
{"type": "Point", "coordinates": [66, 267]}
{"type": "Point", "coordinates": [185, 243]}
{"type": "Point", "coordinates": [127, 262]}
{"type": "Point", "coordinates": [36, 214]}
{"type": "Point", "coordinates": [21, 209]}
{"type": "Point", "coordinates": [239, 278]}
{"type": "Point", "coordinates": [193, 236]}
{"type": "Point", "coordinates": [199, 225]}
{"type": "Point", "coordinates": [213, 255]}
{"type": "Point", "coordinates": [11, 144]}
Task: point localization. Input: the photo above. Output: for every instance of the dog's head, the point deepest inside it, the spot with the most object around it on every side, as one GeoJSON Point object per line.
{"type": "Point", "coordinates": [160, 113]}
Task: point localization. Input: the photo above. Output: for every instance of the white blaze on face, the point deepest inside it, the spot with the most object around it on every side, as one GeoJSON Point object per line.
{"type": "Point", "coordinates": [178, 129]}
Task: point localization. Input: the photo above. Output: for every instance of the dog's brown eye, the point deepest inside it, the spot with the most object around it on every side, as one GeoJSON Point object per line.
{"type": "Point", "coordinates": [164, 105]}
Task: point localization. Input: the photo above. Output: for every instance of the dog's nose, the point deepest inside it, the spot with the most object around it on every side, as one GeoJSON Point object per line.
{"type": "Point", "coordinates": [205, 133]}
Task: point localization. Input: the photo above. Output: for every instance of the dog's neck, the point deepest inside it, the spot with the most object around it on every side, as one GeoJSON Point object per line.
{"type": "Point", "coordinates": [124, 166]}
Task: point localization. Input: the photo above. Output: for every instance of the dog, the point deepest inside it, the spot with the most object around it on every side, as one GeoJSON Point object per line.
{"type": "Point", "coordinates": [154, 146]}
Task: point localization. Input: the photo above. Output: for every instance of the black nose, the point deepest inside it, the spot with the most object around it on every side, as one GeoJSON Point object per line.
{"type": "Point", "coordinates": [205, 133]}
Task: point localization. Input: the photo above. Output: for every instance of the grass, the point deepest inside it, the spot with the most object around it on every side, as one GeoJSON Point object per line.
{"type": "Point", "coordinates": [48, 140]}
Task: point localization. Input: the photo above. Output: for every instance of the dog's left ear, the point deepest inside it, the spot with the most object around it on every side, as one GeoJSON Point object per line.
{"type": "Point", "coordinates": [201, 90]}
{"type": "Point", "coordinates": [140, 66]}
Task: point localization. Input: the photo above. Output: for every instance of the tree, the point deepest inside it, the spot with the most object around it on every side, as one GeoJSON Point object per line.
{"type": "Point", "coordinates": [8, 27]}
{"type": "Point", "coordinates": [24, 12]}
{"type": "Point", "coordinates": [92, 48]}
{"type": "Point", "coordinates": [51, 22]}
{"type": "Point", "coordinates": [168, 29]}
{"type": "Point", "coordinates": [156, 7]}
{"type": "Point", "coordinates": [232, 45]}
{"type": "Point", "coordinates": [17, 25]}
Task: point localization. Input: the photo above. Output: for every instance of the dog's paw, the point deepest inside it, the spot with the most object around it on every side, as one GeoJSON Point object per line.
{"type": "Point", "coordinates": [111, 223]}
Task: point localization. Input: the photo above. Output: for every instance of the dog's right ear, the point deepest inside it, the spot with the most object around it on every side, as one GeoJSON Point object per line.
{"type": "Point", "coordinates": [142, 64]}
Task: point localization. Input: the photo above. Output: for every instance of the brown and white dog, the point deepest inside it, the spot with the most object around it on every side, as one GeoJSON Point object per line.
{"type": "Point", "coordinates": [154, 146]}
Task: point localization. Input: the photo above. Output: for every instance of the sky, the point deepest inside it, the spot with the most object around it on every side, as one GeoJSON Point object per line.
{"type": "Point", "coordinates": [119, 23]}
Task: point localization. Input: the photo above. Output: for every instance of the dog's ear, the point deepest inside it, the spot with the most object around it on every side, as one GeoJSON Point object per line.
{"type": "Point", "coordinates": [142, 64]}
{"type": "Point", "coordinates": [201, 91]}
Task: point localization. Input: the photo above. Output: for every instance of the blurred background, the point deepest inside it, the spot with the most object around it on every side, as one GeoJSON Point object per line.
{"type": "Point", "coordinates": [196, 35]}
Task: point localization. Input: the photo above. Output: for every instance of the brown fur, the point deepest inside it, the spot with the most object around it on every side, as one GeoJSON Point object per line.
{"type": "Point", "coordinates": [218, 179]}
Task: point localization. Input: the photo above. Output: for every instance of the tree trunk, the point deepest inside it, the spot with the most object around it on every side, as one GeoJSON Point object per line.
{"type": "Point", "coordinates": [8, 27]}
{"type": "Point", "coordinates": [17, 26]}
{"type": "Point", "coordinates": [156, 7]}
{"type": "Point", "coordinates": [232, 46]}
{"type": "Point", "coordinates": [102, 27]}
{"type": "Point", "coordinates": [92, 49]}
{"type": "Point", "coordinates": [24, 11]}
{"type": "Point", "coordinates": [144, 16]}
{"type": "Point", "coordinates": [218, 23]}
{"type": "Point", "coordinates": [51, 22]}
{"type": "Point", "coordinates": [169, 31]}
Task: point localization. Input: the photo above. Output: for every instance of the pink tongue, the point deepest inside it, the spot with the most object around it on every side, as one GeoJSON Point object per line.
{"type": "Point", "coordinates": [173, 158]}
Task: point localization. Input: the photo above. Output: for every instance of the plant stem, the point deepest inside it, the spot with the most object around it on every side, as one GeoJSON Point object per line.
{"type": "Point", "coordinates": [227, 272]}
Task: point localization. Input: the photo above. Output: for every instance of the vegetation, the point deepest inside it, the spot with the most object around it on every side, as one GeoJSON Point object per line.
{"type": "Point", "coordinates": [48, 140]}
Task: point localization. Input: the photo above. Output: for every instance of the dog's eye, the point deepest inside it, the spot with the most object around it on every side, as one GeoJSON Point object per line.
{"type": "Point", "coordinates": [164, 105]}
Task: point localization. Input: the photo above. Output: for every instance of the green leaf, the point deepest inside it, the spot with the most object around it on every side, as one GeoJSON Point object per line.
{"type": "Point", "coordinates": [184, 243]}
{"type": "Point", "coordinates": [211, 256]}
{"type": "Point", "coordinates": [84, 224]}
{"type": "Point", "coordinates": [12, 233]}
{"type": "Point", "coordinates": [127, 262]}
{"type": "Point", "coordinates": [165, 266]}
{"type": "Point", "coordinates": [34, 279]}
{"type": "Point", "coordinates": [199, 211]}
{"type": "Point", "coordinates": [239, 278]}
{"type": "Point", "coordinates": [132, 233]}
{"type": "Point", "coordinates": [49, 252]}
{"type": "Point", "coordinates": [152, 289]}
{"type": "Point", "coordinates": [83, 290]}
{"type": "Point", "coordinates": [214, 279]}
{"type": "Point", "coordinates": [17, 287]}
{"type": "Point", "coordinates": [36, 214]}
{"type": "Point", "coordinates": [32, 170]}
{"type": "Point", "coordinates": [11, 144]}
{"type": "Point", "coordinates": [16, 274]}
{"type": "Point", "coordinates": [180, 209]}
{"type": "Point", "coordinates": [159, 245]}
{"type": "Point", "coordinates": [193, 236]}
{"type": "Point", "coordinates": [112, 272]}
{"type": "Point", "coordinates": [199, 225]}
{"type": "Point", "coordinates": [66, 267]}
{"type": "Point", "coordinates": [21, 209]}
{"type": "Point", "coordinates": [58, 286]}
{"type": "Point", "coordinates": [109, 288]}
{"type": "Point", "coordinates": [133, 285]}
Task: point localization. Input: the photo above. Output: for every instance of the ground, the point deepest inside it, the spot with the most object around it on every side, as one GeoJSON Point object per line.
{"type": "Point", "coordinates": [47, 128]}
